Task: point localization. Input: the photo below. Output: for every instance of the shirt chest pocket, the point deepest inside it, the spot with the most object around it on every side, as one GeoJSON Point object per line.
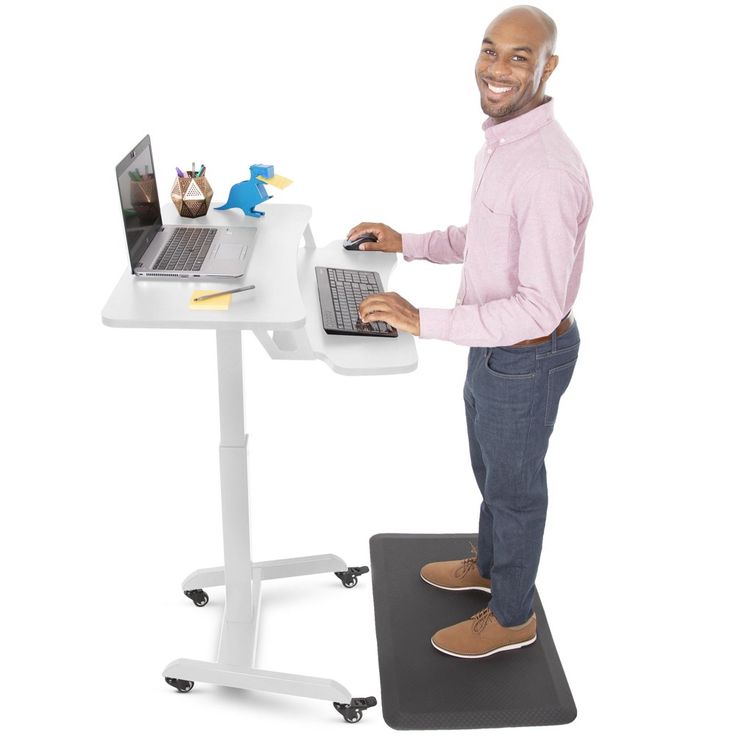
{"type": "Point", "coordinates": [489, 234]}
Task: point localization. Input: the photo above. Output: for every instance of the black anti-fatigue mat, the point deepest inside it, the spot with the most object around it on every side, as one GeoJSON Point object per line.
{"type": "Point", "coordinates": [422, 688]}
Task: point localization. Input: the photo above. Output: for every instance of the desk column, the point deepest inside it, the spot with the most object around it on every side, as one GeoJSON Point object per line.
{"type": "Point", "coordinates": [234, 479]}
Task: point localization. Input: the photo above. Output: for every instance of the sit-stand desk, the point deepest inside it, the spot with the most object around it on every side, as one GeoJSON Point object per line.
{"type": "Point", "coordinates": [283, 312]}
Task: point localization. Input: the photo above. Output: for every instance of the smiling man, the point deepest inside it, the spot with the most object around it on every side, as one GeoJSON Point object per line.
{"type": "Point", "coordinates": [522, 255]}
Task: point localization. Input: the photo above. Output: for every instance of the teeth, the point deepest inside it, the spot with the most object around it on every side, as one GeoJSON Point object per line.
{"type": "Point", "coordinates": [498, 90]}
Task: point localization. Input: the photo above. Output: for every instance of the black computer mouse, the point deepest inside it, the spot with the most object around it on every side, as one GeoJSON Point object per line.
{"type": "Point", "coordinates": [354, 244]}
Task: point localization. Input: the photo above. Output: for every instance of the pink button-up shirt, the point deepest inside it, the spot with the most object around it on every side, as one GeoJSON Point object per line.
{"type": "Point", "coordinates": [522, 249]}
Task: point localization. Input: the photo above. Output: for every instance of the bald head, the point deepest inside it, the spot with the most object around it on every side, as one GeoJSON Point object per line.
{"type": "Point", "coordinates": [516, 59]}
{"type": "Point", "coordinates": [533, 20]}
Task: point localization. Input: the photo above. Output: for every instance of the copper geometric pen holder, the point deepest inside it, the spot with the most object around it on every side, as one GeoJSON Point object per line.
{"type": "Point", "coordinates": [191, 195]}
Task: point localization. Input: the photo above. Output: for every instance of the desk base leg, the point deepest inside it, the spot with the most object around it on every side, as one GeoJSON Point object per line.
{"type": "Point", "coordinates": [236, 656]}
{"type": "Point", "coordinates": [231, 675]}
{"type": "Point", "coordinates": [210, 577]}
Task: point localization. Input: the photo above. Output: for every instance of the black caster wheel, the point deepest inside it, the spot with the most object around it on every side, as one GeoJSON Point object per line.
{"type": "Point", "coordinates": [183, 686]}
{"type": "Point", "coordinates": [352, 715]}
{"type": "Point", "coordinates": [352, 712]}
{"type": "Point", "coordinates": [199, 597]}
{"type": "Point", "coordinates": [349, 577]}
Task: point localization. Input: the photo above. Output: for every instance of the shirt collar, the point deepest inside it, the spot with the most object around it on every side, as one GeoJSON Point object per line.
{"type": "Point", "coordinates": [519, 127]}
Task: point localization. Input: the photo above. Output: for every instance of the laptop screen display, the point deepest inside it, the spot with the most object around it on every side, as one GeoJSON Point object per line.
{"type": "Point", "coordinates": [139, 200]}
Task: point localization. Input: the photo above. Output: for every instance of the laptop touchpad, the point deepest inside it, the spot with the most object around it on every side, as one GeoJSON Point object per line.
{"type": "Point", "coordinates": [230, 250]}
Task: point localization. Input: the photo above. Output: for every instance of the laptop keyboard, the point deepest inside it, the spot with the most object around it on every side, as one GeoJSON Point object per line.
{"type": "Point", "coordinates": [186, 249]}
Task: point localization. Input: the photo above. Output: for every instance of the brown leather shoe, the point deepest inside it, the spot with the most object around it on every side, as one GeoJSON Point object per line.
{"type": "Point", "coordinates": [482, 636]}
{"type": "Point", "coordinates": [456, 574]}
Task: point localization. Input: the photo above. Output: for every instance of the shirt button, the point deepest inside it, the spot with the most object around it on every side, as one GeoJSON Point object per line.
{"type": "Point", "coordinates": [458, 302]}
{"type": "Point", "coordinates": [503, 140]}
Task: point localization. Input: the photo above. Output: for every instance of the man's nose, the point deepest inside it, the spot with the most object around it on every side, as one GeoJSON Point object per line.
{"type": "Point", "coordinates": [498, 68]}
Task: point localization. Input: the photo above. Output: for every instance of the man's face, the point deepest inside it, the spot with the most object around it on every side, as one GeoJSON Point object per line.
{"type": "Point", "coordinates": [513, 66]}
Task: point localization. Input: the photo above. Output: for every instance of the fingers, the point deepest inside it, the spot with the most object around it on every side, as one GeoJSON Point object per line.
{"type": "Point", "coordinates": [381, 232]}
{"type": "Point", "coordinates": [388, 239]}
{"type": "Point", "coordinates": [365, 228]}
{"type": "Point", "coordinates": [374, 300]}
{"type": "Point", "coordinates": [387, 317]}
{"type": "Point", "coordinates": [378, 304]}
{"type": "Point", "coordinates": [390, 318]}
{"type": "Point", "coordinates": [391, 308]}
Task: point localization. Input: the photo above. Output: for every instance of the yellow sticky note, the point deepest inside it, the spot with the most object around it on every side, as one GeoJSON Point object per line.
{"type": "Point", "coordinates": [278, 181]}
{"type": "Point", "coordinates": [220, 303]}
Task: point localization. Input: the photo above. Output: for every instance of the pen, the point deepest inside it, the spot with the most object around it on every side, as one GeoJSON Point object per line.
{"type": "Point", "coordinates": [201, 169]}
{"type": "Point", "coordinates": [179, 172]}
{"type": "Point", "coordinates": [194, 171]}
{"type": "Point", "coordinates": [222, 293]}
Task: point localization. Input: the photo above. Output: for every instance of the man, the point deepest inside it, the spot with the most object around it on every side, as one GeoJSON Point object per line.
{"type": "Point", "coordinates": [522, 255]}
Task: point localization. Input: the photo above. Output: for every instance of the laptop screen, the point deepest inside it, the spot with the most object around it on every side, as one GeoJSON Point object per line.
{"type": "Point", "coordinates": [139, 200]}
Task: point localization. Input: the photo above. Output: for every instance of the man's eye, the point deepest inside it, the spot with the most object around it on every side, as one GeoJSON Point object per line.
{"type": "Point", "coordinates": [490, 52]}
{"type": "Point", "coordinates": [519, 58]}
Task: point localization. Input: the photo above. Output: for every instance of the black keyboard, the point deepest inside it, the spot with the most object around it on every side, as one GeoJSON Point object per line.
{"type": "Point", "coordinates": [340, 292]}
{"type": "Point", "coordinates": [186, 249]}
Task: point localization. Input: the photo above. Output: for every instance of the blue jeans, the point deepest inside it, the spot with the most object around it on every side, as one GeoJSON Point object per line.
{"type": "Point", "coordinates": [511, 400]}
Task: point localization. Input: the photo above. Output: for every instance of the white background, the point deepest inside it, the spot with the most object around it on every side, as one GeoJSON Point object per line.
{"type": "Point", "coordinates": [110, 493]}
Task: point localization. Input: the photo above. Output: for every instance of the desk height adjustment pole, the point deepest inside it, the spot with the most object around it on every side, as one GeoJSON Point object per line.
{"type": "Point", "coordinates": [234, 478]}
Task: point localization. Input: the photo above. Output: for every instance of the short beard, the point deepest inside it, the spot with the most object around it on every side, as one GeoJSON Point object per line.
{"type": "Point", "coordinates": [503, 112]}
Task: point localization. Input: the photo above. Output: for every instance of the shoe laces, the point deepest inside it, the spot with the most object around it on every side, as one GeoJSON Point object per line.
{"type": "Point", "coordinates": [468, 563]}
{"type": "Point", "coordinates": [480, 619]}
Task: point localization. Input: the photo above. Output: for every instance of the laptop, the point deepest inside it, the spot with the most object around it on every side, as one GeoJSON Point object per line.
{"type": "Point", "coordinates": [180, 251]}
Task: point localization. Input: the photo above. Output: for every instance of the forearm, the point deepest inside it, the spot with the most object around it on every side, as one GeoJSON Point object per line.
{"type": "Point", "coordinates": [438, 246]}
{"type": "Point", "coordinates": [498, 322]}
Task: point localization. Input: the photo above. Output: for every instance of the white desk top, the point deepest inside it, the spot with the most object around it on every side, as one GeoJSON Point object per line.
{"type": "Point", "coordinates": [285, 297]}
{"type": "Point", "coordinates": [274, 304]}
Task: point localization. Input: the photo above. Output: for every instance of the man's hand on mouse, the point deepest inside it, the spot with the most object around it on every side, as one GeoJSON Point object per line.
{"type": "Point", "coordinates": [392, 308]}
{"type": "Point", "coordinates": [389, 241]}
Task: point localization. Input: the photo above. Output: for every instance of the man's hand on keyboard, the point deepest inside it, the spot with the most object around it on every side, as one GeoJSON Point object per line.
{"type": "Point", "coordinates": [391, 308]}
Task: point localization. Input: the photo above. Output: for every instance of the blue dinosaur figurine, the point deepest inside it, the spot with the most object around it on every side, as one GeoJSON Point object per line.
{"type": "Point", "coordinates": [249, 193]}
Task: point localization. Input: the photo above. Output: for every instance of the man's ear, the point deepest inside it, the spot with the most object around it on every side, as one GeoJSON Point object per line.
{"type": "Point", "coordinates": [549, 67]}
